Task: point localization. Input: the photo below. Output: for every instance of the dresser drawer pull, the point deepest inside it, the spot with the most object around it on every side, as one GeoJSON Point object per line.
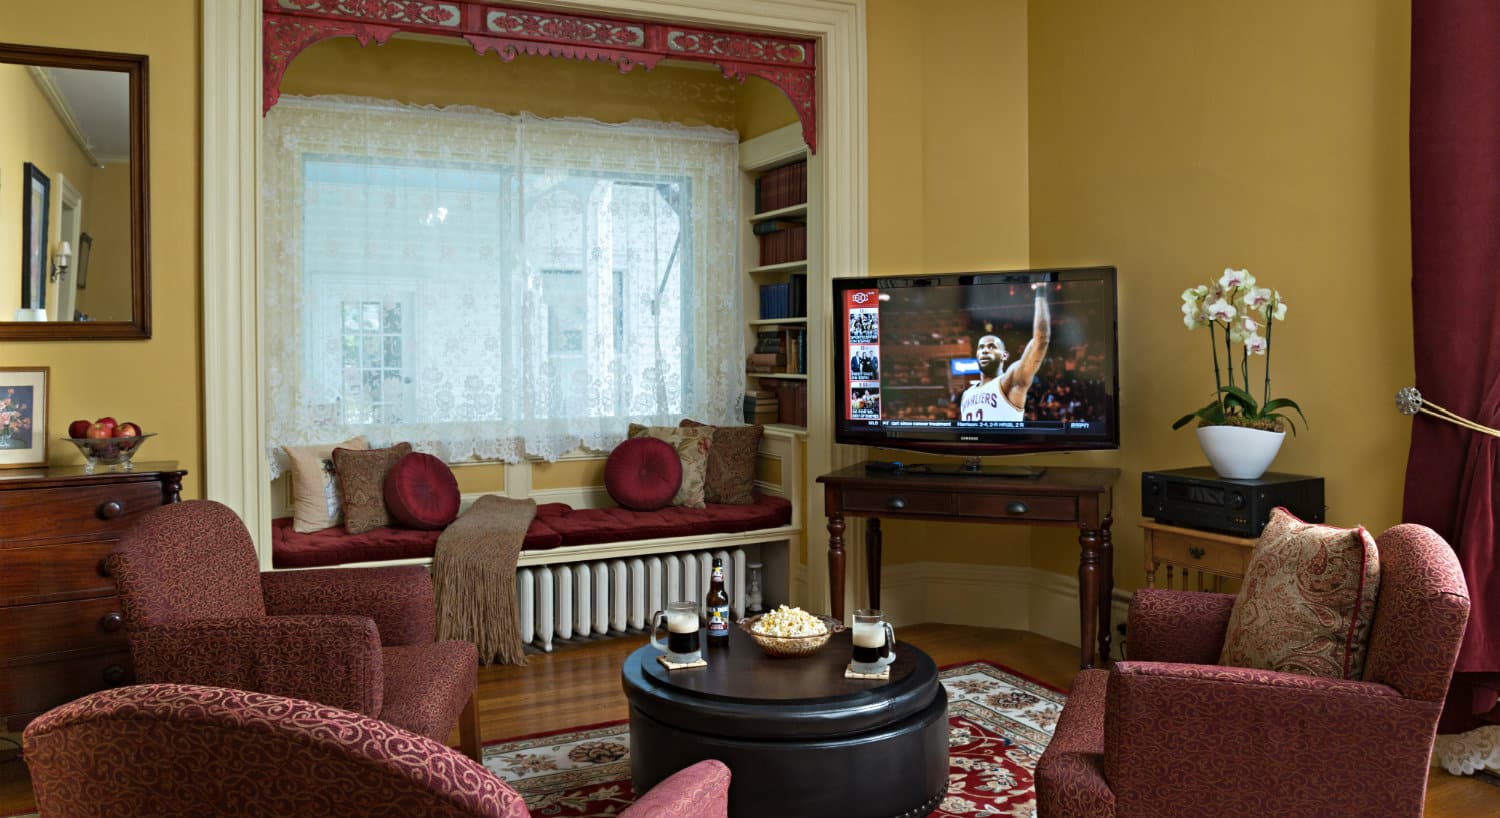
{"type": "Point", "coordinates": [103, 567]}
{"type": "Point", "coordinates": [896, 503]}
{"type": "Point", "coordinates": [1195, 552]}
{"type": "Point", "coordinates": [111, 510]}
{"type": "Point", "coordinates": [114, 675]}
{"type": "Point", "coordinates": [111, 622]}
{"type": "Point", "coordinates": [1016, 507]}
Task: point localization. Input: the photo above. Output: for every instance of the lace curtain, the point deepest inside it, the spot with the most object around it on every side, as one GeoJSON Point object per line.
{"type": "Point", "coordinates": [493, 287]}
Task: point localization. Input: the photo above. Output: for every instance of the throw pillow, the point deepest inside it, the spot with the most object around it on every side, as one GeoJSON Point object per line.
{"type": "Point", "coordinates": [692, 447]}
{"type": "Point", "coordinates": [421, 492]}
{"type": "Point", "coordinates": [1307, 600]}
{"type": "Point", "coordinates": [316, 500]}
{"type": "Point", "coordinates": [730, 476]}
{"type": "Point", "coordinates": [362, 480]}
{"type": "Point", "coordinates": [643, 473]}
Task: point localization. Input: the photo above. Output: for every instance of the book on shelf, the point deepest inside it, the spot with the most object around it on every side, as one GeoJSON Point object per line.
{"type": "Point", "coordinates": [781, 187]}
{"type": "Point", "coordinates": [770, 226]}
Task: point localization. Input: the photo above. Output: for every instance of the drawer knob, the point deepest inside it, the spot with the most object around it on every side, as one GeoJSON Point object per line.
{"type": "Point", "coordinates": [1195, 552]}
{"type": "Point", "coordinates": [1016, 507]}
{"type": "Point", "coordinates": [111, 622]}
{"type": "Point", "coordinates": [114, 675]}
{"type": "Point", "coordinates": [111, 510]}
{"type": "Point", "coordinates": [896, 503]}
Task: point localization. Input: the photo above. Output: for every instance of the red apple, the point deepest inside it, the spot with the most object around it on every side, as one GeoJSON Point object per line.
{"type": "Point", "coordinates": [99, 429]}
{"type": "Point", "coordinates": [108, 422]}
{"type": "Point", "coordinates": [79, 428]}
{"type": "Point", "coordinates": [127, 429]}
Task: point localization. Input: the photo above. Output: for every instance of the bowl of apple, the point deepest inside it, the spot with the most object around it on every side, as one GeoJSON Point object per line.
{"type": "Point", "coordinates": [107, 442]}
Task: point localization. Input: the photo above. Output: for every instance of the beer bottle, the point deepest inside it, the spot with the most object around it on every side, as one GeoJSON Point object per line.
{"type": "Point", "coordinates": [716, 605]}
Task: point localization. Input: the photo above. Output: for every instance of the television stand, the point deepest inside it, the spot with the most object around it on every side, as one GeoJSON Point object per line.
{"type": "Point", "coordinates": [972, 465]}
{"type": "Point", "coordinates": [1060, 496]}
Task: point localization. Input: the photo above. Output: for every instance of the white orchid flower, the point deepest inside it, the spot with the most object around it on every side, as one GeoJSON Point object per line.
{"type": "Point", "coordinates": [1236, 335]}
{"type": "Point", "coordinates": [1256, 298]}
{"type": "Point", "coordinates": [1246, 324]}
{"type": "Point", "coordinates": [1192, 315]}
{"type": "Point", "coordinates": [1278, 314]}
{"type": "Point", "coordinates": [1256, 344]}
{"type": "Point", "coordinates": [1194, 295]}
{"type": "Point", "coordinates": [1236, 278]}
{"type": "Point", "coordinates": [1221, 310]}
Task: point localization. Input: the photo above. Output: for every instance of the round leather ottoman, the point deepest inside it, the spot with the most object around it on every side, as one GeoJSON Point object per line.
{"type": "Point", "coordinates": [799, 738]}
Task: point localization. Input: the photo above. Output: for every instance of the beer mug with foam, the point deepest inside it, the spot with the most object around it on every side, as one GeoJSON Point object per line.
{"type": "Point", "coordinates": [681, 621]}
{"type": "Point", "coordinates": [874, 641]}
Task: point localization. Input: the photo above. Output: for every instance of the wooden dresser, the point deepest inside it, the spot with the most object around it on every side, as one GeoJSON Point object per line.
{"type": "Point", "coordinates": [61, 632]}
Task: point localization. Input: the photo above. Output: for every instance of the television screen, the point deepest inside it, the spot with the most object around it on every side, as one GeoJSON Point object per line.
{"type": "Point", "coordinates": [978, 363]}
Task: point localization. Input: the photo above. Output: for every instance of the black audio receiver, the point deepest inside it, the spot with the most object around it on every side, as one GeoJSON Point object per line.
{"type": "Point", "coordinates": [1199, 498]}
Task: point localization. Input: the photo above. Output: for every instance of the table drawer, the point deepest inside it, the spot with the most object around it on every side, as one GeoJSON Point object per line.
{"type": "Point", "coordinates": [41, 573]}
{"type": "Point", "coordinates": [27, 691]}
{"type": "Point", "coordinates": [77, 510]}
{"type": "Point", "coordinates": [1198, 554]}
{"type": "Point", "coordinates": [882, 501]}
{"type": "Point", "coordinates": [40, 630]}
{"type": "Point", "coordinates": [1019, 506]}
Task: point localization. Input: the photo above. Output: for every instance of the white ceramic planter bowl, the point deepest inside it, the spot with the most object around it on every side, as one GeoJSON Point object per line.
{"type": "Point", "coordinates": [1238, 453]}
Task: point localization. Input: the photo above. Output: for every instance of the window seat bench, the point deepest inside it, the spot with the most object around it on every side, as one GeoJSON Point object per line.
{"type": "Point", "coordinates": [573, 533]}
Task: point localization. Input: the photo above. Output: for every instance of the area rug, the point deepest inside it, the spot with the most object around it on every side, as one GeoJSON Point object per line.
{"type": "Point", "coordinates": [999, 722]}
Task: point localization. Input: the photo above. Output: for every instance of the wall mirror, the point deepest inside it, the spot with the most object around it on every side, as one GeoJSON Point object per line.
{"type": "Point", "coordinates": [74, 205]}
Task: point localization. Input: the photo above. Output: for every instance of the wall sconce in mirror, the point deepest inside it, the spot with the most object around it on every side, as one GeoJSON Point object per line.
{"type": "Point", "coordinates": [60, 261]}
{"type": "Point", "coordinates": [81, 132]}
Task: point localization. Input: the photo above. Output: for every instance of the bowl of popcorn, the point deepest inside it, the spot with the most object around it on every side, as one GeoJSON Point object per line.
{"type": "Point", "coordinates": [790, 632]}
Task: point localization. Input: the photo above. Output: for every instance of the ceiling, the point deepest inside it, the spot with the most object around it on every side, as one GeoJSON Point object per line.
{"type": "Point", "coordinates": [99, 102]}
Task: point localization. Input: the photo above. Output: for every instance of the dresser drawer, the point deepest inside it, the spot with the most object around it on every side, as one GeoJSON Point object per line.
{"type": "Point", "coordinates": [906, 502]}
{"type": "Point", "coordinates": [1019, 506]}
{"type": "Point", "coordinates": [27, 691]}
{"type": "Point", "coordinates": [41, 630]}
{"type": "Point", "coordinates": [1199, 554]}
{"type": "Point", "coordinates": [44, 573]}
{"type": "Point", "coordinates": [75, 511]}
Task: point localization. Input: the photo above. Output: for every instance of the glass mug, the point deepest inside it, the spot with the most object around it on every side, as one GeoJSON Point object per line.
{"type": "Point", "coordinates": [681, 621]}
{"type": "Point", "coordinates": [874, 641]}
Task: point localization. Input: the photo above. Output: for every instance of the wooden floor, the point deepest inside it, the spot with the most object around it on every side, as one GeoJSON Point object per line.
{"type": "Point", "coordinates": [580, 685]}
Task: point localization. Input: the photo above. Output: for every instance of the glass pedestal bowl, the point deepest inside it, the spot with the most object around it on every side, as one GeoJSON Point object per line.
{"type": "Point", "coordinates": [115, 452]}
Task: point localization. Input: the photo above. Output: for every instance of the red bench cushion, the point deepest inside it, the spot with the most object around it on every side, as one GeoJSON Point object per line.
{"type": "Point", "coordinates": [333, 546]}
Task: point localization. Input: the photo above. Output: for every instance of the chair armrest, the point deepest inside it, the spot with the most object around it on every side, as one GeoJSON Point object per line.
{"type": "Point", "coordinates": [331, 660]}
{"type": "Point", "coordinates": [699, 791]}
{"type": "Point", "coordinates": [1177, 626]}
{"type": "Point", "coordinates": [1316, 746]}
{"type": "Point", "coordinates": [399, 598]}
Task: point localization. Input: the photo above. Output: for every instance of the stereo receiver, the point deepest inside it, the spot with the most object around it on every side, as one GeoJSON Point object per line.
{"type": "Point", "coordinates": [1199, 498]}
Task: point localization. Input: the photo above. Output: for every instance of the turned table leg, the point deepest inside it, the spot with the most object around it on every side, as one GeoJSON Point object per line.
{"type": "Point", "coordinates": [836, 565]}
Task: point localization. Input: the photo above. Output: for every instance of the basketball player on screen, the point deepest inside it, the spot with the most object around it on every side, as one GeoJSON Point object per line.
{"type": "Point", "coordinates": [1000, 393]}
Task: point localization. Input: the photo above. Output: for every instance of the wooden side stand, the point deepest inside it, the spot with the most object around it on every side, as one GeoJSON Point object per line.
{"type": "Point", "coordinates": [1216, 557]}
{"type": "Point", "coordinates": [1061, 496]}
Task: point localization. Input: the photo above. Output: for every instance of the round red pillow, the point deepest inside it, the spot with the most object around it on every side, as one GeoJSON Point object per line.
{"type": "Point", "coordinates": [643, 473]}
{"type": "Point", "coordinates": [421, 492]}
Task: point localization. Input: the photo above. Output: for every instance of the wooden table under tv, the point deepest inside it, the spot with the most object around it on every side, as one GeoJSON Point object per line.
{"type": "Point", "coordinates": [1060, 496]}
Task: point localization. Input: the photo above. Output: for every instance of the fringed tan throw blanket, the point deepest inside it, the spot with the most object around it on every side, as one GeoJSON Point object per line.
{"type": "Point", "coordinates": [474, 577]}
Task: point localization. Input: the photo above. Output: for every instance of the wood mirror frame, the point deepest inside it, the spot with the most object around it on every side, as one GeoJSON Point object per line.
{"type": "Point", "coordinates": [139, 325]}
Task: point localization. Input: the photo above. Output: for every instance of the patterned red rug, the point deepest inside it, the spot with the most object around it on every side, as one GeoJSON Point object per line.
{"type": "Point", "coordinates": [999, 721]}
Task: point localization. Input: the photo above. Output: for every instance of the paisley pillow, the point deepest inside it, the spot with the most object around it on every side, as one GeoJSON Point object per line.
{"type": "Point", "coordinates": [362, 480]}
{"type": "Point", "coordinates": [692, 445]}
{"type": "Point", "coordinates": [731, 463]}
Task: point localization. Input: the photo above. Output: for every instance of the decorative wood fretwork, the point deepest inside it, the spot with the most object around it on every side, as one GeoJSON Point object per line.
{"type": "Point", "coordinates": [786, 62]}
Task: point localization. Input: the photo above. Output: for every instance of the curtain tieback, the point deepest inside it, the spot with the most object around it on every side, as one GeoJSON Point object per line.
{"type": "Point", "coordinates": [1411, 402]}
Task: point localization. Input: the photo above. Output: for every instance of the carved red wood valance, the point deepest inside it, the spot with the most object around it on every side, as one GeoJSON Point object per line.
{"type": "Point", "coordinates": [786, 62]}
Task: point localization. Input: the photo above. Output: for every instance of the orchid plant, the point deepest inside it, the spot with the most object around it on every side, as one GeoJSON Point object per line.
{"type": "Point", "coordinates": [1235, 305]}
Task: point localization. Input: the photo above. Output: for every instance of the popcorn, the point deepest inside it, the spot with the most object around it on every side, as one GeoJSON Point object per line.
{"type": "Point", "coordinates": [789, 622]}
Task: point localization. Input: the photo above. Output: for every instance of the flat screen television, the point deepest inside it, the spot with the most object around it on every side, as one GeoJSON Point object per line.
{"type": "Point", "coordinates": [975, 364]}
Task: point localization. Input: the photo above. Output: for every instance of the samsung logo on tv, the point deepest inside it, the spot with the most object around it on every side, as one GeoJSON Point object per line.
{"type": "Point", "coordinates": [968, 438]}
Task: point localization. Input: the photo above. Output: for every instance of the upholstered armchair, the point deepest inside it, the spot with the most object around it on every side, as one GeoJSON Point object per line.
{"type": "Point", "coordinates": [185, 751]}
{"type": "Point", "coordinates": [198, 610]}
{"type": "Point", "coordinates": [1170, 733]}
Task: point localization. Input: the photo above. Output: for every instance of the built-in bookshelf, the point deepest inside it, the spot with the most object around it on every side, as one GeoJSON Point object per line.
{"type": "Point", "coordinates": [775, 258]}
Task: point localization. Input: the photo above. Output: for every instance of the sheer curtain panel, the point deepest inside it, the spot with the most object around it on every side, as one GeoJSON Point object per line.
{"type": "Point", "coordinates": [493, 287]}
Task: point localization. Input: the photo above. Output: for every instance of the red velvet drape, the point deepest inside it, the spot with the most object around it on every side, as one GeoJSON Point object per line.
{"type": "Point", "coordinates": [1451, 480]}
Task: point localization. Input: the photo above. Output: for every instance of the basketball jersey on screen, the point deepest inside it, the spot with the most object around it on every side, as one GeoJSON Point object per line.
{"type": "Point", "coordinates": [984, 402]}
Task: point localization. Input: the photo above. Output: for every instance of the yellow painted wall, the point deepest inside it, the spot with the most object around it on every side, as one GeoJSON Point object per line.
{"type": "Point", "coordinates": [440, 73]}
{"type": "Point", "coordinates": [1173, 139]}
{"type": "Point", "coordinates": [155, 383]}
{"type": "Point", "coordinates": [106, 218]}
{"type": "Point", "coordinates": [760, 107]}
{"type": "Point", "coordinates": [948, 176]}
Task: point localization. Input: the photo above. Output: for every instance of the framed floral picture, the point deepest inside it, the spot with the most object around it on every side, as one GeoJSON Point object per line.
{"type": "Point", "coordinates": [23, 417]}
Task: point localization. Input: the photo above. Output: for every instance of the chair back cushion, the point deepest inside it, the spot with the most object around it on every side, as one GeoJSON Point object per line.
{"type": "Point", "coordinates": [185, 562]}
{"type": "Point", "coordinates": [249, 754]}
{"type": "Point", "coordinates": [1421, 613]}
{"type": "Point", "coordinates": [1307, 600]}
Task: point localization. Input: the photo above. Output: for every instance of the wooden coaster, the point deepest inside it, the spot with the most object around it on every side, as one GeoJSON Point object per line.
{"type": "Point", "coordinates": [884, 673]}
{"type": "Point", "coordinates": [679, 666]}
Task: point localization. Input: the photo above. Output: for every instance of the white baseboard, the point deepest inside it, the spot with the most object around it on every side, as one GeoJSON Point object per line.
{"type": "Point", "coordinates": [990, 596]}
